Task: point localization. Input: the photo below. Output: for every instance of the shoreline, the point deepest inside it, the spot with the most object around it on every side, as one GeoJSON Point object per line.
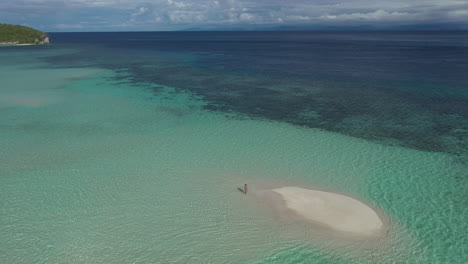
{"type": "Point", "coordinates": [14, 45]}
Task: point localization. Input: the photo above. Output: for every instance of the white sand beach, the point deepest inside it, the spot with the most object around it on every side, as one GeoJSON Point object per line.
{"type": "Point", "coordinates": [341, 214]}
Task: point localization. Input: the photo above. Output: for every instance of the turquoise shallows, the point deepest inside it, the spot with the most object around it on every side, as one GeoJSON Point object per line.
{"type": "Point", "coordinates": [95, 170]}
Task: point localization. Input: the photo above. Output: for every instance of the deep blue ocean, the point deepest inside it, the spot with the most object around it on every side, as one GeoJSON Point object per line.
{"type": "Point", "coordinates": [402, 88]}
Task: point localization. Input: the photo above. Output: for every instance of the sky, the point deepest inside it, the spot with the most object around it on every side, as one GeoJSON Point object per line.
{"type": "Point", "coordinates": [163, 15]}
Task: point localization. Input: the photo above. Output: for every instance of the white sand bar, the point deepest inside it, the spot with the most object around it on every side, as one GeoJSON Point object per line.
{"type": "Point", "coordinates": [338, 212]}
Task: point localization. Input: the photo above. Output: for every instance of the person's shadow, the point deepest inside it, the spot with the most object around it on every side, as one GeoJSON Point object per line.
{"type": "Point", "coordinates": [240, 190]}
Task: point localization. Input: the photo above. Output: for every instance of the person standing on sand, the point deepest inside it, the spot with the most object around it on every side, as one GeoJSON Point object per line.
{"type": "Point", "coordinates": [246, 188]}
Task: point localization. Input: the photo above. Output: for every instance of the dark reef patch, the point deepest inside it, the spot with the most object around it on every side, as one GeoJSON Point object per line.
{"type": "Point", "coordinates": [394, 88]}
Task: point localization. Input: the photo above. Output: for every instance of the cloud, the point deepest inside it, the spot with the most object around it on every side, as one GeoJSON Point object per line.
{"type": "Point", "coordinates": [170, 14]}
{"type": "Point", "coordinates": [378, 15]}
{"type": "Point", "coordinates": [141, 11]}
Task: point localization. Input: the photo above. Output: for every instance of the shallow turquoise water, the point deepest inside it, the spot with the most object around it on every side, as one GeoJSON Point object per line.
{"type": "Point", "coordinates": [95, 170]}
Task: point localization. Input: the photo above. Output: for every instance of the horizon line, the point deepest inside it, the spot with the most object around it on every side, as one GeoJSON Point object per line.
{"type": "Point", "coordinates": [273, 30]}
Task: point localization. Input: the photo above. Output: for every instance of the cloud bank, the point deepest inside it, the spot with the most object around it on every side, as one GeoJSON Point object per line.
{"type": "Point", "coordinates": [95, 15]}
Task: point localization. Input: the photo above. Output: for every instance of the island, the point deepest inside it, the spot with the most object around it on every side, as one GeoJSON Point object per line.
{"type": "Point", "coordinates": [15, 35]}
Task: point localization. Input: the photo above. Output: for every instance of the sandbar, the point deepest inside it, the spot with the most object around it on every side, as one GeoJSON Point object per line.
{"type": "Point", "coordinates": [339, 213]}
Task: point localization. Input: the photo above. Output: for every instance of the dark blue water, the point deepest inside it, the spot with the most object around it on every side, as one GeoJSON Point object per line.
{"type": "Point", "coordinates": [399, 88]}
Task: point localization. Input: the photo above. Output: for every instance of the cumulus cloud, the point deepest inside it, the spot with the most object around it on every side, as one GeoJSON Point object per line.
{"type": "Point", "coordinates": [173, 13]}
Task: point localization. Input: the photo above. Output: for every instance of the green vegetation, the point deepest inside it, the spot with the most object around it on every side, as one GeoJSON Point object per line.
{"type": "Point", "coordinates": [13, 34]}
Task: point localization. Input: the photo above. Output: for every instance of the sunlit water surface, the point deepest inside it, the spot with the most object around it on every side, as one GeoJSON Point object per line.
{"type": "Point", "coordinates": [97, 167]}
